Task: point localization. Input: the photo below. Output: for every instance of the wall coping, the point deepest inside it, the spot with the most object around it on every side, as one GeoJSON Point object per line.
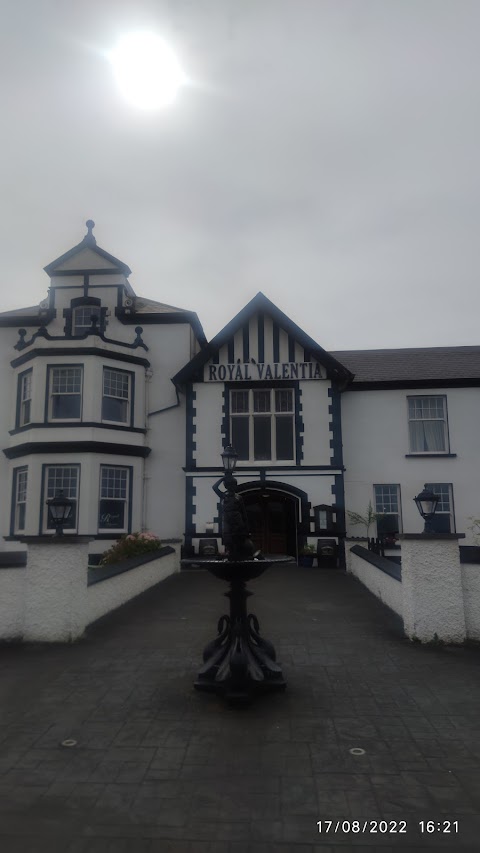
{"type": "Point", "coordinates": [387, 566]}
{"type": "Point", "coordinates": [52, 540]}
{"type": "Point", "coordinates": [104, 573]}
{"type": "Point", "coordinates": [13, 559]}
{"type": "Point", "coordinates": [440, 536]}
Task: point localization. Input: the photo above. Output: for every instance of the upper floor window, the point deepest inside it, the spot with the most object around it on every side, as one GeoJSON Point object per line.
{"type": "Point", "coordinates": [66, 393]}
{"type": "Point", "coordinates": [63, 478]}
{"type": "Point", "coordinates": [116, 395]}
{"type": "Point", "coordinates": [82, 318]}
{"type": "Point", "coordinates": [427, 424]}
{"type": "Point", "coordinates": [25, 398]}
{"type": "Point", "coordinates": [387, 504]}
{"type": "Point", "coordinates": [262, 423]}
{"type": "Point", "coordinates": [443, 521]}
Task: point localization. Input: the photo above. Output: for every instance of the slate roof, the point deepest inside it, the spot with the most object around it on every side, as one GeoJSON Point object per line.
{"type": "Point", "coordinates": [422, 364]}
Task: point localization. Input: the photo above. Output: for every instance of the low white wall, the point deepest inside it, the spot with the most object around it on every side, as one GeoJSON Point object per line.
{"type": "Point", "coordinates": [471, 599]}
{"type": "Point", "coordinates": [386, 588]}
{"type": "Point", "coordinates": [111, 593]}
{"type": "Point", "coordinates": [12, 603]}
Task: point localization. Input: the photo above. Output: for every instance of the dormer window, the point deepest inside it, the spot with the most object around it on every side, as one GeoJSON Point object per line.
{"type": "Point", "coordinates": [83, 318]}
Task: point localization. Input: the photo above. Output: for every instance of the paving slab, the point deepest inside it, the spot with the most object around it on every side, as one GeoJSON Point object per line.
{"type": "Point", "coordinates": [159, 767]}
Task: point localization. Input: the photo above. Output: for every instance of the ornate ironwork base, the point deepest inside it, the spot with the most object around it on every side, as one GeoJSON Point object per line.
{"type": "Point", "coordinates": [239, 661]}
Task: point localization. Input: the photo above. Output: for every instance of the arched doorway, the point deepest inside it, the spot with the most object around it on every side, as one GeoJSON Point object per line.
{"type": "Point", "coordinates": [273, 520]}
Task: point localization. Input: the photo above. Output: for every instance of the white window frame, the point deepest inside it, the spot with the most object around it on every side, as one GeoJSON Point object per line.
{"type": "Point", "coordinates": [423, 420]}
{"type": "Point", "coordinates": [442, 490]}
{"type": "Point", "coordinates": [125, 500]}
{"type": "Point", "coordinates": [85, 327]}
{"type": "Point", "coordinates": [20, 498]}
{"type": "Point", "coordinates": [25, 391]}
{"type": "Point", "coordinates": [273, 414]}
{"type": "Point", "coordinates": [128, 399]}
{"type": "Point", "coordinates": [380, 506]}
{"type": "Point", "coordinates": [51, 370]}
{"type": "Point", "coordinates": [68, 491]}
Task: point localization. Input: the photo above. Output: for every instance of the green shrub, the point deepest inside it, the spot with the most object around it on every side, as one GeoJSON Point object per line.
{"type": "Point", "coordinates": [131, 545]}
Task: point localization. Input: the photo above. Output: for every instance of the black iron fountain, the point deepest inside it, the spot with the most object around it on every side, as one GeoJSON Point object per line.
{"type": "Point", "coordinates": [239, 662]}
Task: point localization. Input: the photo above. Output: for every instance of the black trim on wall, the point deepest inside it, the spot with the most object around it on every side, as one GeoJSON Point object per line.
{"type": "Point", "coordinates": [190, 509]}
{"type": "Point", "coordinates": [83, 351]}
{"type": "Point", "coordinates": [63, 424]}
{"type": "Point", "coordinates": [75, 447]}
{"type": "Point", "coordinates": [276, 341]}
{"type": "Point", "coordinates": [299, 425]}
{"type": "Point", "coordinates": [335, 410]}
{"type": "Point", "coordinates": [225, 426]}
{"type": "Point", "coordinates": [42, 332]}
{"type": "Point", "coordinates": [261, 336]}
{"type": "Point", "coordinates": [291, 348]}
{"type": "Point", "coordinates": [414, 383]}
{"type": "Point", "coordinates": [246, 343]}
{"type": "Point", "coordinates": [231, 350]}
{"type": "Point", "coordinates": [338, 491]}
{"type": "Point", "coordinates": [191, 429]}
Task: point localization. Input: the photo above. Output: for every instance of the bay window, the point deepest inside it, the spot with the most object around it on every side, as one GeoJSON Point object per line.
{"type": "Point", "coordinates": [66, 479]}
{"type": "Point", "coordinates": [116, 395]}
{"type": "Point", "coordinates": [65, 393]}
{"type": "Point", "coordinates": [114, 498]}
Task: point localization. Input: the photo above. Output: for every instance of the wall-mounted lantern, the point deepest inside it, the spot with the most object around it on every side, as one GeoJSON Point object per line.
{"type": "Point", "coordinates": [427, 503]}
{"type": "Point", "coordinates": [59, 511]}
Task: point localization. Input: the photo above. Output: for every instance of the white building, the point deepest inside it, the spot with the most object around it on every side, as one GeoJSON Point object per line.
{"type": "Point", "coordinates": [120, 402]}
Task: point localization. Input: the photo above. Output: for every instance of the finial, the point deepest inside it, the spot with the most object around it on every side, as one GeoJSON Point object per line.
{"type": "Point", "coordinates": [89, 238]}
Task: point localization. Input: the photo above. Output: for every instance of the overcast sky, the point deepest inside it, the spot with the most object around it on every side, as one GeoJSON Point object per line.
{"type": "Point", "coordinates": [326, 152]}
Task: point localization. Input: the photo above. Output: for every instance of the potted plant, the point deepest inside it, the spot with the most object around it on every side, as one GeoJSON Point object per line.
{"type": "Point", "coordinates": [306, 556]}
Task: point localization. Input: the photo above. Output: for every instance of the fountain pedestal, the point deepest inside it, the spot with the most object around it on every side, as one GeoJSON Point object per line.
{"type": "Point", "coordinates": [239, 661]}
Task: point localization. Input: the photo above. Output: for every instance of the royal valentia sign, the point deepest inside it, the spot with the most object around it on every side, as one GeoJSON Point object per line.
{"type": "Point", "coordinates": [253, 372]}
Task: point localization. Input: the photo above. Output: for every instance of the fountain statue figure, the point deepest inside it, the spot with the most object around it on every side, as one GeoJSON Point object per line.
{"type": "Point", "coordinates": [236, 535]}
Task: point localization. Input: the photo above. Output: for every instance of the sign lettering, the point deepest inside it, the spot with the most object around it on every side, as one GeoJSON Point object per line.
{"type": "Point", "coordinates": [256, 372]}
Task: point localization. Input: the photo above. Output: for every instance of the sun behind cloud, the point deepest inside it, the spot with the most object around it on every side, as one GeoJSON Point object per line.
{"type": "Point", "coordinates": [147, 70]}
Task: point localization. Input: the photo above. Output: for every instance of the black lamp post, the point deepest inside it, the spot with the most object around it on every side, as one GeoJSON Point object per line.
{"type": "Point", "coordinates": [59, 511]}
{"type": "Point", "coordinates": [229, 459]}
{"type": "Point", "coordinates": [427, 503]}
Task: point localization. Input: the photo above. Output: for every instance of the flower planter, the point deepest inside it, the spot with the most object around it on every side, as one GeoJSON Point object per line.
{"type": "Point", "coordinates": [306, 560]}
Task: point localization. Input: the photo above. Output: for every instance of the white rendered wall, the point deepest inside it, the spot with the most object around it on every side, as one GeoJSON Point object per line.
{"type": "Point", "coordinates": [433, 598]}
{"type": "Point", "coordinates": [471, 598]}
{"type": "Point", "coordinates": [208, 422]}
{"type": "Point", "coordinates": [106, 596]}
{"type": "Point", "coordinates": [376, 441]}
{"type": "Point", "coordinates": [386, 588]}
{"type": "Point", "coordinates": [12, 603]}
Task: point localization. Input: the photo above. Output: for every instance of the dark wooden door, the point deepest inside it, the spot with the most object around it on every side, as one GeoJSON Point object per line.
{"type": "Point", "coordinates": [268, 517]}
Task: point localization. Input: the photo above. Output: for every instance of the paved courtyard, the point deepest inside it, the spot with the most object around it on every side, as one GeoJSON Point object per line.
{"type": "Point", "coordinates": [159, 767]}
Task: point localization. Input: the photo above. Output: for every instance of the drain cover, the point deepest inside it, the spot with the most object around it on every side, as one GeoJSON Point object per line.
{"type": "Point", "coordinates": [68, 742]}
{"type": "Point", "coordinates": [357, 750]}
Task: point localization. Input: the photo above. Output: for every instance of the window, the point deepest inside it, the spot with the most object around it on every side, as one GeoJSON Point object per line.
{"type": "Point", "coordinates": [262, 424]}
{"type": "Point", "coordinates": [116, 395]}
{"type": "Point", "coordinates": [25, 398]}
{"type": "Point", "coordinates": [82, 318]}
{"type": "Point", "coordinates": [114, 486]}
{"type": "Point", "coordinates": [20, 499]}
{"type": "Point", "coordinates": [66, 393]}
{"type": "Point", "coordinates": [63, 478]}
{"type": "Point", "coordinates": [387, 503]}
{"type": "Point", "coordinates": [427, 423]}
{"type": "Point", "coordinates": [443, 520]}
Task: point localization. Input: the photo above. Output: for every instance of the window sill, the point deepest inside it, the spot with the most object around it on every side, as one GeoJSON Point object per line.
{"type": "Point", "coordinates": [430, 455]}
